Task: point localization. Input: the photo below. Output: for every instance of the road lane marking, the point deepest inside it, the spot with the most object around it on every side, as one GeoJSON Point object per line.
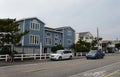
{"type": "Point", "coordinates": [111, 74]}
{"type": "Point", "coordinates": [79, 74]}
{"type": "Point", "coordinates": [37, 69]}
{"type": "Point", "coordinates": [54, 67]}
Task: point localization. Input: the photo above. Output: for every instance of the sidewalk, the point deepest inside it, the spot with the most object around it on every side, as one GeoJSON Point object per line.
{"type": "Point", "coordinates": [19, 62]}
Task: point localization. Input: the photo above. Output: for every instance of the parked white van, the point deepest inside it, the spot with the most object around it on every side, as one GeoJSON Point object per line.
{"type": "Point", "coordinates": [61, 54]}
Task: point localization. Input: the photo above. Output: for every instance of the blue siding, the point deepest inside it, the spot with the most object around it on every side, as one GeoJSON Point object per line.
{"type": "Point", "coordinates": [68, 37]}
{"type": "Point", "coordinates": [62, 34]}
{"type": "Point", "coordinates": [53, 38]}
{"type": "Point", "coordinates": [26, 25]}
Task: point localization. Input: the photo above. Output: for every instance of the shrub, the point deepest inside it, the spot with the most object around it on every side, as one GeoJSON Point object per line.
{"type": "Point", "coordinates": [55, 48]}
{"type": "Point", "coordinates": [5, 50]}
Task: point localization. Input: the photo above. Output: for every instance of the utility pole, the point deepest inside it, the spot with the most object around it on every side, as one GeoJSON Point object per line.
{"type": "Point", "coordinates": [97, 37]}
{"type": "Point", "coordinates": [97, 33]}
{"type": "Point", "coordinates": [98, 43]}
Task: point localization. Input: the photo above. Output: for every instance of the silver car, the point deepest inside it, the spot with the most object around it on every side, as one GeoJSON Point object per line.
{"type": "Point", "coordinates": [61, 54]}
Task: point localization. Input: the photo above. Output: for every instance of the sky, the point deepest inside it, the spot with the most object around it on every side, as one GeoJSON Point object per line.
{"type": "Point", "coordinates": [81, 15]}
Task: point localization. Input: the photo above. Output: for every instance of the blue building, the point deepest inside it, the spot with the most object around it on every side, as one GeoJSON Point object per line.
{"type": "Point", "coordinates": [48, 37]}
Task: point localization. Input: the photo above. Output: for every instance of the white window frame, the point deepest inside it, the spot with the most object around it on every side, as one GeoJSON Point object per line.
{"type": "Point", "coordinates": [34, 26]}
{"type": "Point", "coordinates": [48, 37]}
{"type": "Point", "coordinates": [56, 36]}
{"type": "Point", "coordinates": [69, 32]}
{"type": "Point", "coordinates": [47, 42]}
{"type": "Point", "coordinates": [34, 39]}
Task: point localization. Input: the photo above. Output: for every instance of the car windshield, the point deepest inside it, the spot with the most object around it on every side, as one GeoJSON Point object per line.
{"type": "Point", "coordinates": [59, 51]}
{"type": "Point", "coordinates": [92, 52]}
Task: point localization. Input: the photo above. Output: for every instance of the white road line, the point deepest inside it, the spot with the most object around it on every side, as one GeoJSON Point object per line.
{"type": "Point", "coordinates": [103, 71]}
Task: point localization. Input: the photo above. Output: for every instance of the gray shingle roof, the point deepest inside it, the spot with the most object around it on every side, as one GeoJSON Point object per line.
{"type": "Point", "coordinates": [29, 18]}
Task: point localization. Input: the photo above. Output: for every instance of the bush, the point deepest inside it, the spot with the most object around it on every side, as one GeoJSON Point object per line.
{"type": "Point", "coordinates": [94, 48]}
{"type": "Point", "coordinates": [5, 50]}
{"type": "Point", "coordinates": [81, 46]}
{"type": "Point", "coordinates": [55, 48]}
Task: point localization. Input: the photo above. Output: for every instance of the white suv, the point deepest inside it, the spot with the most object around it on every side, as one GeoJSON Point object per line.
{"type": "Point", "coordinates": [61, 54]}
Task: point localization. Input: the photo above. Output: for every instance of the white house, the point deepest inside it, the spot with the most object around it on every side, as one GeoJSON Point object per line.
{"type": "Point", "coordinates": [84, 36]}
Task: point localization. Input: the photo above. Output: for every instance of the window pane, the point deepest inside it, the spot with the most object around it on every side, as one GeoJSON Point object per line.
{"type": "Point", "coordinates": [34, 39]}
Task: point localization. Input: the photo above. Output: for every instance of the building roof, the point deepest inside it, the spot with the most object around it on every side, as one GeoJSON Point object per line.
{"type": "Point", "coordinates": [52, 30]}
{"type": "Point", "coordinates": [82, 34]}
{"type": "Point", "coordinates": [105, 41]}
{"type": "Point", "coordinates": [61, 28]}
{"type": "Point", "coordinates": [30, 18]}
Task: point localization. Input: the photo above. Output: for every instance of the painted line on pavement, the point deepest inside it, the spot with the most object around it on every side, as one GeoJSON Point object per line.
{"type": "Point", "coordinates": [36, 69]}
{"type": "Point", "coordinates": [112, 73]}
{"type": "Point", "coordinates": [77, 75]}
{"type": "Point", "coordinates": [54, 67]}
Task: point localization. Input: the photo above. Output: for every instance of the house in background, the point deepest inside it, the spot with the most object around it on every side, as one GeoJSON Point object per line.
{"type": "Point", "coordinates": [48, 37]}
{"type": "Point", "coordinates": [84, 36]}
{"type": "Point", "coordinates": [108, 46]}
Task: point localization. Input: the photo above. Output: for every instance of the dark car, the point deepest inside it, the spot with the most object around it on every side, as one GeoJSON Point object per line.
{"type": "Point", "coordinates": [95, 54]}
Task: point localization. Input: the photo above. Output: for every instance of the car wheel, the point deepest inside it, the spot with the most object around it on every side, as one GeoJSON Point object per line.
{"type": "Point", "coordinates": [51, 59]}
{"type": "Point", "coordinates": [87, 58]}
{"type": "Point", "coordinates": [96, 57]}
{"type": "Point", "coordinates": [102, 57]}
{"type": "Point", "coordinates": [60, 58]}
{"type": "Point", "coordinates": [70, 57]}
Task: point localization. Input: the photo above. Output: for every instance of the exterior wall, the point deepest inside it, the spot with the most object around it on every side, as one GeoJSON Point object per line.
{"type": "Point", "coordinates": [57, 39]}
{"type": "Point", "coordinates": [76, 37]}
{"type": "Point", "coordinates": [85, 37]}
{"type": "Point", "coordinates": [88, 38]}
{"type": "Point", "coordinates": [65, 36]}
{"type": "Point", "coordinates": [25, 25]}
{"type": "Point", "coordinates": [21, 30]}
{"type": "Point", "coordinates": [68, 35]}
{"type": "Point", "coordinates": [52, 37]}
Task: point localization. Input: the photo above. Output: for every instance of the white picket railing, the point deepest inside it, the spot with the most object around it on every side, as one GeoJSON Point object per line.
{"type": "Point", "coordinates": [25, 56]}
{"type": "Point", "coordinates": [4, 57]}
{"type": "Point", "coordinates": [32, 56]}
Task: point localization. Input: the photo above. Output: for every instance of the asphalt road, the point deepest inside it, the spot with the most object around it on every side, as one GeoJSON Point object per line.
{"type": "Point", "coordinates": [107, 67]}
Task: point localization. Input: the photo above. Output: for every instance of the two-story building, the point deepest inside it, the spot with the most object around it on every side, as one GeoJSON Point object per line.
{"type": "Point", "coordinates": [48, 37]}
{"type": "Point", "coordinates": [84, 36]}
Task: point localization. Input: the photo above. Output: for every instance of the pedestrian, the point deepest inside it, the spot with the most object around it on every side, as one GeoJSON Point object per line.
{"type": "Point", "coordinates": [11, 56]}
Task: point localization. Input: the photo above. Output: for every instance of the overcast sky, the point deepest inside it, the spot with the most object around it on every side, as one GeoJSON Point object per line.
{"type": "Point", "coordinates": [81, 15]}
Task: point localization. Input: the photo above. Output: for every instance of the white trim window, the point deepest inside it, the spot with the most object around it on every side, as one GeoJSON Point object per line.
{"type": "Point", "coordinates": [48, 39]}
{"type": "Point", "coordinates": [69, 32]}
{"type": "Point", "coordinates": [34, 25]}
{"type": "Point", "coordinates": [56, 39]}
{"type": "Point", "coordinates": [60, 41]}
{"type": "Point", "coordinates": [69, 41]}
{"type": "Point", "coordinates": [34, 39]}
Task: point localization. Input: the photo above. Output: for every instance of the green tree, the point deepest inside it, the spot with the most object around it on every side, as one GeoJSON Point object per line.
{"type": "Point", "coordinates": [81, 46]}
{"type": "Point", "coordinates": [95, 42]}
{"type": "Point", "coordinates": [9, 31]}
{"type": "Point", "coordinates": [57, 47]}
